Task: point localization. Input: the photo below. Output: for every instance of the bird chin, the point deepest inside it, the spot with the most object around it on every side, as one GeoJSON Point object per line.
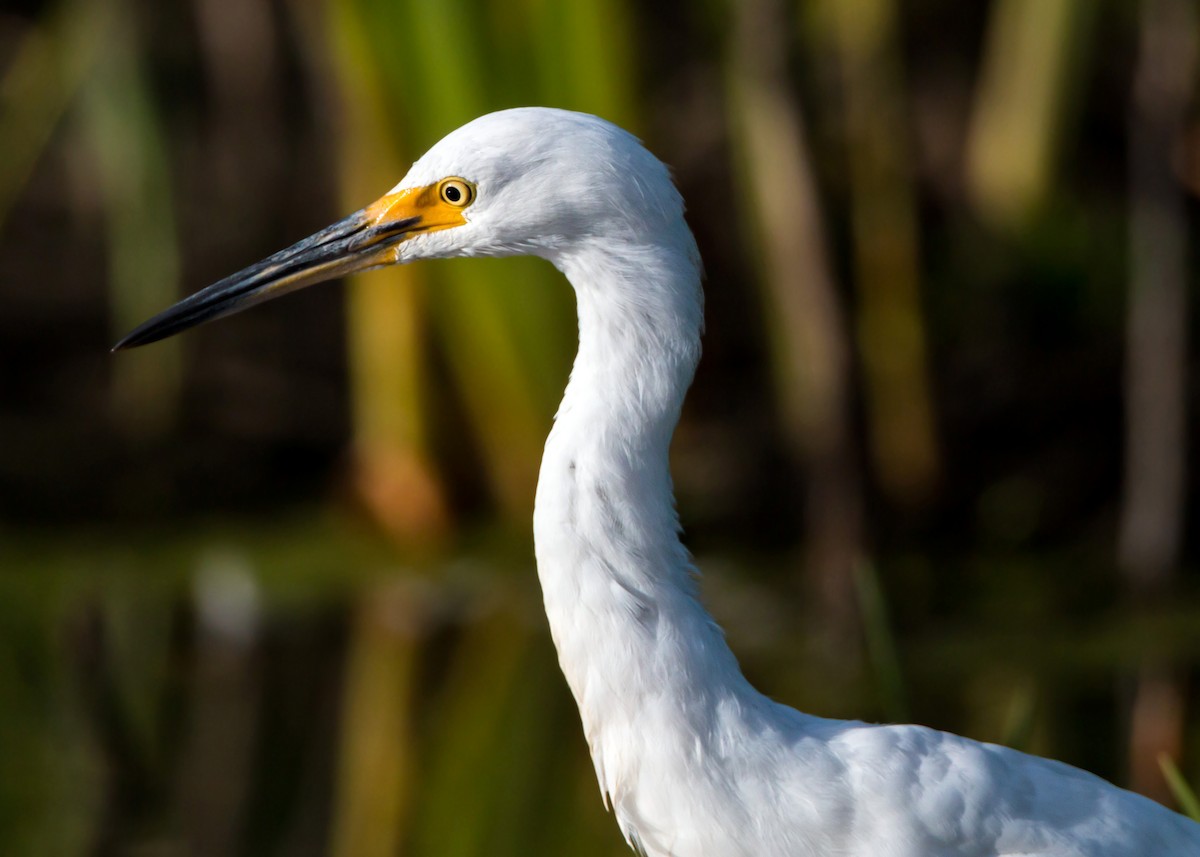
{"type": "Point", "coordinates": [430, 245]}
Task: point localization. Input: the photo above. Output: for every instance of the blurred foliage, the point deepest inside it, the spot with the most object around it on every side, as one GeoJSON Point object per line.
{"type": "Point", "coordinates": [1188, 802]}
{"type": "Point", "coordinates": [268, 588]}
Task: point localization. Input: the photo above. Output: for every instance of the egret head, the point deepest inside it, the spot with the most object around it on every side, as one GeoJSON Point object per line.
{"type": "Point", "coordinates": [527, 181]}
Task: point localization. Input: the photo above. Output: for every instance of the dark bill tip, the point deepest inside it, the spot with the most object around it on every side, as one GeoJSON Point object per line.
{"type": "Point", "coordinates": [349, 245]}
{"type": "Point", "coordinates": [191, 311]}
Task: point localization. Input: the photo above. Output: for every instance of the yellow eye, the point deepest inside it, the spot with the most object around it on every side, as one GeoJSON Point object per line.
{"type": "Point", "coordinates": [456, 192]}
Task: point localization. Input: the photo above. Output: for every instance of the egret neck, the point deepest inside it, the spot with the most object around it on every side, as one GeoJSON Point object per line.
{"type": "Point", "coordinates": [618, 585]}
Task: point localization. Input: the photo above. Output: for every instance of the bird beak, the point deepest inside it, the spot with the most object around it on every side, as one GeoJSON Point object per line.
{"type": "Point", "coordinates": [366, 239]}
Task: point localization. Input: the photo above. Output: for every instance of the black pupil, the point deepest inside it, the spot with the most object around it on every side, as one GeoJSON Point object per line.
{"type": "Point", "coordinates": [453, 194]}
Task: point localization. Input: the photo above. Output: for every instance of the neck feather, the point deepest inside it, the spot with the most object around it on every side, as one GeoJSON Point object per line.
{"type": "Point", "coordinates": [618, 585]}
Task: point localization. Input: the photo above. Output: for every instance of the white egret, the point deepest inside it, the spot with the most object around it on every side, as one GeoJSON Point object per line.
{"type": "Point", "coordinates": [693, 759]}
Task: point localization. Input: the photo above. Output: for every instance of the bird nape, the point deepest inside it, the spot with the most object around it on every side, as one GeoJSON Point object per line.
{"type": "Point", "coordinates": [694, 760]}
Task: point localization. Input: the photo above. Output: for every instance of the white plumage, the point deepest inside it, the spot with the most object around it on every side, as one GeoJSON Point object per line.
{"type": "Point", "coordinates": [695, 762]}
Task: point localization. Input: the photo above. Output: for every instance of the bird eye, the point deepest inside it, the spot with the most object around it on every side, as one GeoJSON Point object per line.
{"type": "Point", "coordinates": [456, 192]}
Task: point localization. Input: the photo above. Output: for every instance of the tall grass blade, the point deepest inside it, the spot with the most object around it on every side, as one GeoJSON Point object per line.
{"type": "Point", "coordinates": [891, 325]}
{"type": "Point", "coordinates": [1153, 507]}
{"type": "Point", "coordinates": [586, 58]}
{"type": "Point", "coordinates": [376, 762]}
{"type": "Point", "coordinates": [394, 471]}
{"type": "Point", "coordinates": [1184, 794]}
{"type": "Point", "coordinates": [806, 327]}
{"type": "Point", "coordinates": [881, 643]}
{"type": "Point", "coordinates": [463, 781]}
{"type": "Point", "coordinates": [124, 130]}
{"type": "Point", "coordinates": [1031, 66]}
{"type": "Point", "coordinates": [43, 77]}
{"type": "Point", "coordinates": [1020, 720]}
{"type": "Point", "coordinates": [473, 305]}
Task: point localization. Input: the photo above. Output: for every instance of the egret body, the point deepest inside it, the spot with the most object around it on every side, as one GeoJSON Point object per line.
{"type": "Point", "coordinates": [694, 761]}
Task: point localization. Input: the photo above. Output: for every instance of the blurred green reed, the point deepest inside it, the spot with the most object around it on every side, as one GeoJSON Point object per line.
{"type": "Point", "coordinates": [881, 644]}
{"type": "Point", "coordinates": [45, 72]}
{"type": "Point", "coordinates": [890, 327]}
{"type": "Point", "coordinates": [805, 326]}
{"type": "Point", "coordinates": [120, 121]}
{"type": "Point", "coordinates": [506, 327]}
{"type": "Point", "coordinates": [377, 764]}
{"type": "Point", "coordinates": [89, 55]}
{"type": "Point", "coordinates": [394, 468]}
{"type": "Point", "coordinates": [1032, 64]}
{"type": "Point", "coordinates": [1189, 803]}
